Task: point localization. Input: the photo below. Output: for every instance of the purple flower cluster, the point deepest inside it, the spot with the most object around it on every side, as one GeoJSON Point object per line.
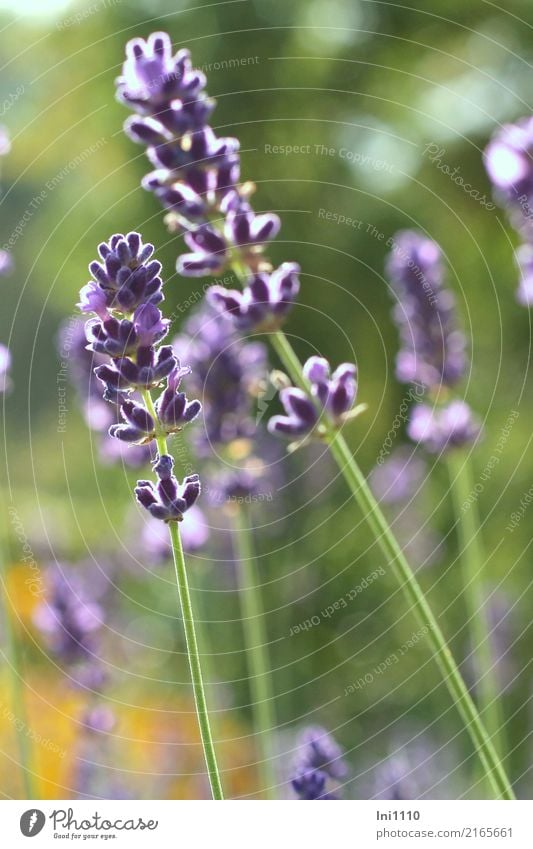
{"type": "Point", "coordinates": [5, 364]}
{"type": "Point", "coordinates": [433, 349]}
{"type": "Point", "coordinates": [509, 164]}
{"type": "Point", "coordinates": [440, 428]}
{"type": "Point", "coordinates": [128, 330]}
{"type": "Point", "coordinates": [332, 395]}
{"type": "Point", "coordinates": [197, 181]}
{"type": "Point", "coordinates": [319, 760]}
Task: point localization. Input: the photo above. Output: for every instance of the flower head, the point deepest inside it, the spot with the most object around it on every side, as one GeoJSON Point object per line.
{"type": "Point", "coordinates": [167, 500]}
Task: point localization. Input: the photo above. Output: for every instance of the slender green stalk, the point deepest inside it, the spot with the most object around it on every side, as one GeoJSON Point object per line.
{"type": "Point", "coordinates": [473, 561]}
{"type": "Point", "coordinates": [14, 666]}
{"type": "Point", "coordinates": [190, 634]}
{"type": "Point", "coordinates": [391, 549]}
{"type": "Point", "coordinates": [255, 638]}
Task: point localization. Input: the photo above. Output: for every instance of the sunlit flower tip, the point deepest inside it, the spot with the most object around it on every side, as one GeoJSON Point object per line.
{"type": "Point", "coordinates": [139, 425]}
{"type": "Point", "coordinates": [524, 259]}
{"type": "Point", "coordinates": [153, 78]}
{"type": "Point", "coordinates": [124, 278]}
{"type": "Point", "coordinates": [440, 429]}
{"type": "Point", "coordinates": [301, 415]}
{"type": "Point", "coordinates": [5, 365]}
{"type": "Point", "coordinates": [167, 500]}
{"type": "Point", "coordinates": [265, 301]}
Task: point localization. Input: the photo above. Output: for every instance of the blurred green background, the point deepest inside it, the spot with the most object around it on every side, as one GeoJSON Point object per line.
{"type": "Point", "coordinates": [362, 88]}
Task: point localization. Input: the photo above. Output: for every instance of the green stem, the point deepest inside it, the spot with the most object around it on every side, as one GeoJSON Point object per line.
{"type": "Point", "coordinates": [256, 643]}
{"type": "Point", "coordinates": [473, 561]}
{"type": "Point", "coordinates": [190, 633]}
{"type": "Point", "coordinates": [14, 664]}
{"type": "Point", "coordinates": [409, 584]}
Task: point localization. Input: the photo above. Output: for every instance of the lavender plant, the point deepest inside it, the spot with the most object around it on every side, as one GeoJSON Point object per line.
{"type": "Point", "coordinates": [128, 328]}
{"type": "Point", "coordinates": [196, 178]}
{"type": "Point", "coordinates": [433, 353]}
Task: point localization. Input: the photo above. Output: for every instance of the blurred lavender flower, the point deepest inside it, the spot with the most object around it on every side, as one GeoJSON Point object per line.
{"type": "Point", "coordinates": [167, 500]}
{"type": "Point", "coordinates": [69, 618]}
{"type": "Point", "coordinates": [441, 428]}
{"type": "Point", "coordinates": [397, 479]}
{"type": "Point", "coordinates": [6, 263]}
{"type": "Point", "coordinates": [334, 394]}
{"type": "Point", "coordinates": [319, 758]}
{"type": "Point", "coordinates": [226, 373]}
{"type": "Point", "coordinates": [433, 350]}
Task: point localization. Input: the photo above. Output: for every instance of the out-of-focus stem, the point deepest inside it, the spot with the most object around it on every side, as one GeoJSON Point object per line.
{"type": "Point", "coordinates": [253, 622]}
{"type": "Point", "coordinates": [473, 560]}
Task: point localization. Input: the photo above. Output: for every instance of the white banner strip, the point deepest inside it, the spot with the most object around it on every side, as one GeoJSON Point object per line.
{"type": "Point", "coordinates": [264, 825]}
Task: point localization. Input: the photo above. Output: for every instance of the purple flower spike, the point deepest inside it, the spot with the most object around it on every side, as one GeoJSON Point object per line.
{"type": "Point", "coordinates": [441, 429]}
{"type": "Point", "coordinates": [310, 784]}
{"type": "Point", "coordinates": [264, 303]}
{"type": "Point", "coordinates": [139, 427]}
{"type": "Point", "coordinates": [174, 410]}
{"type": "Point", "coordinates": [433, 350]}
{"type": "Point", "coordinates": [167, 500]}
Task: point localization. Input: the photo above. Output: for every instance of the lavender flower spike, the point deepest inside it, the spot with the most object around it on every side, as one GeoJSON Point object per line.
{"type": "Point", "coordinates": [167, 500]}
{"type": "Point", "coordinates": [433, 350]}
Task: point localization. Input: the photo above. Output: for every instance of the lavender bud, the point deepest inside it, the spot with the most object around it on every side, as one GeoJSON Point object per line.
{"type": "Point", "coordinates": [167, 500]}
